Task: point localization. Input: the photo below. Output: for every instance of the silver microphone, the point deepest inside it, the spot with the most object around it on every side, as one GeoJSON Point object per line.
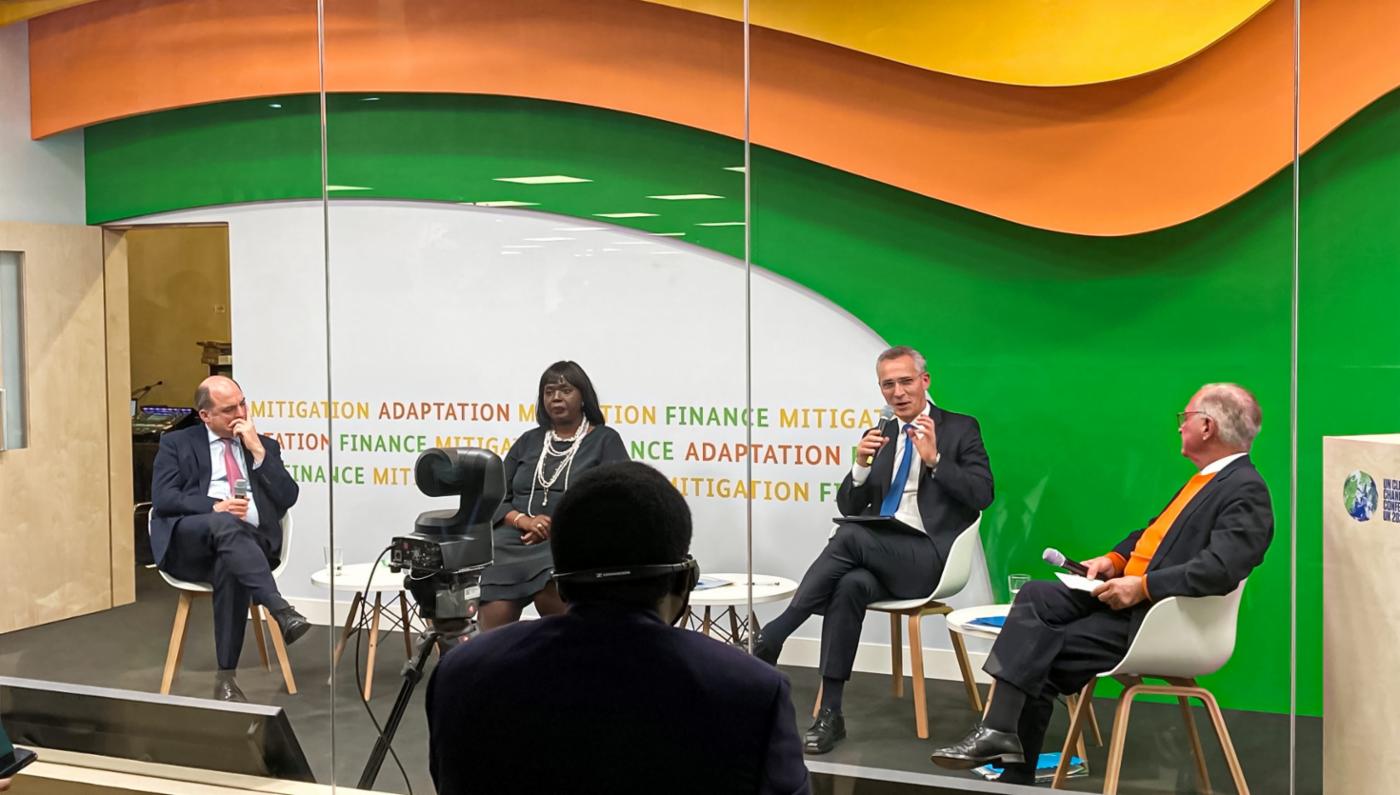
{"type": "Point", "coordinates": [886, 414]}
{"type": "Point", "coordinates": [240, 489]}
{"type": "Point", "coordinates": [1057, 558]}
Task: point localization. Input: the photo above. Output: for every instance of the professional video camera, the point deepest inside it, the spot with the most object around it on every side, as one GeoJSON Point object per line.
{"type": "Point", "coordinates": [444, 556]}
{"type": "Point", "coordinates": [448, 549]}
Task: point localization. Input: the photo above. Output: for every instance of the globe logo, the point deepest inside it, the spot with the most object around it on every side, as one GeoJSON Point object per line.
{"type": "Point", "coordinates": [1360, 496]}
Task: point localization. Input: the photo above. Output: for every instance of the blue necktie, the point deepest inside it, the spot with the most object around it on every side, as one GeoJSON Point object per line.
{"type": "Point", "coordinates": [901, 477]}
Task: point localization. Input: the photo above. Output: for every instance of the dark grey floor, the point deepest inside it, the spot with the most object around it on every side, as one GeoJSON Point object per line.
{"type": "Point", "coordinates": [126, 648]}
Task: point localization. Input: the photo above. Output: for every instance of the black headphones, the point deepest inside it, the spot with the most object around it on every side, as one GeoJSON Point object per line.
{"type": "Point", "coordinates": [684, 575]}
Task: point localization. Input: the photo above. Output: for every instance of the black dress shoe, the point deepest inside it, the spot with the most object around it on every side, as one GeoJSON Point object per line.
{"type": "Point", "coordinates": [829, 728]}
{"type": "Point", "coordinates": [225, 689]}
{"type": "Point", "coordinates": [292, 624]}
{"type": "Point", "coordinates": [980, 746]}
{"type": "Point", "coordinates": [765, 650]}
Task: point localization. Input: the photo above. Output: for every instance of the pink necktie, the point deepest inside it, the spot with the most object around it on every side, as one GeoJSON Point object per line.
{"type": "Point", "coordinates": [231, 468]}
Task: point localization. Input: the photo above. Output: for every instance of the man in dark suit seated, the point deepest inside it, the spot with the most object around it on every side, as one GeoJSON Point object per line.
{"type": "Point", "coordinates": [935, 479]}
{"type": "Point", "coordinates": [610, 697]}
{"type": "Point", "coordinates": [202, 532]}
{"type": "Point", "coordinates": [1208, 538]}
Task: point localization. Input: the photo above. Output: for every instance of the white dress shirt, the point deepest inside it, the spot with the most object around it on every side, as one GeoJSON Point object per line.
{"type": "Point", "coordinates": [219, 486]}
{"type": "Point", "coordinates": [1220, 463]}
{"type": "Point", "coordinates": [908, 510]}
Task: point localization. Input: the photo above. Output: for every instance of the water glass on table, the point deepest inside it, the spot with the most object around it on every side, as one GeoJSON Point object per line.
{"type": "Point", "coordinates": [335, 558]}
{"type": "Point", "coordinates": [1014, 582]}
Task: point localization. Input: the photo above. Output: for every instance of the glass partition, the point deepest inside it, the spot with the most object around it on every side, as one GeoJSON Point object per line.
{"type": "Point", "coordinates": [399, 216]}
{"type": "Point", "coordinates": [1348, 470]}
{"type": "Point", "coordinates": [1076, 240]}
{"type": "Point", "coordinates": [161, 175]}
{"type": "Point", "coordinates": [513, 186]}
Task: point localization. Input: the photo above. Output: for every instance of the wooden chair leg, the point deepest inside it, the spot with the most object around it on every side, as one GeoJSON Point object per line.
{"type": "Point", "coordinates": [1115, 745]}
{"type": "Point", "coordinates": [352, 620]}
{"type": "Point", "coordinates": [733, 624]}
{"type": "Point", "coordinates": [974, 697]}
{"type": "Point", "coordinates": [1076, 733]}
{"type": "Point", "coordinates": [916, 671]}
{"type": "Point", "coordinates": [1231, 759]}
{"type": "Point", "coordinates": [177, 642]}
{"type": "Point", "coordinates": [407, 630]}
{"type": "Point", "coordinates": [706, 623]}
{"type": "Point", "coordinates": [1094, 724]}
{"type": "Point", "coordinates": [280, 646]}
{"type": "Point", "coordinates": [255, 613]}
{"type": "Point", "coordinates": [896, 657]}
{"type": "Point", "coordinates": [373, 644]}
{"type": "Point", "coordinates": [1202, 775]}
{"type": "Point", "coordinates": [1072, 702]}
{"type": "Point", "coordinates": [991, 693]}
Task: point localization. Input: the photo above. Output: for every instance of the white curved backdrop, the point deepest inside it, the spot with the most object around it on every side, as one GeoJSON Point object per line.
{"type": "Point", "coordinates": [442, 318]}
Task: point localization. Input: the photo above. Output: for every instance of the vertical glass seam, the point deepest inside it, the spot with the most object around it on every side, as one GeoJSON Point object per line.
{"type": "Point", "coordinates": [1293, 415]}
{"type": "Point", "coordinates": [748, 341]}
{"type": "Point", "coordinates": [326, 284]}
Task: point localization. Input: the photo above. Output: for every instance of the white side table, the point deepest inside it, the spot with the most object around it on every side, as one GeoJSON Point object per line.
{"type": "Point", "coordinates": [959, 621]}
{"type": "Point", "coordinates": [731, 598]}
{"type": "Point", "coordinates": [355, 578]}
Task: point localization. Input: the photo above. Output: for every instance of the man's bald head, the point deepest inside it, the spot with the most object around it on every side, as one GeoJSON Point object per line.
{"type": "Point", "coordinates": [220, 403]}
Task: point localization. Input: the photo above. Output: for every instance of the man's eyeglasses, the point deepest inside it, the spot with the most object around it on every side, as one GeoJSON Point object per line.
{"type": "Point", "coordinates": [907, 383]}
{"type": "Point", "coordinates": [1182, 415]}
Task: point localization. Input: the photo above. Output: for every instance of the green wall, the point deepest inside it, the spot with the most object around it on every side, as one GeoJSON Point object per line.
{"type": "Point", "coordinates": [1075, 352]}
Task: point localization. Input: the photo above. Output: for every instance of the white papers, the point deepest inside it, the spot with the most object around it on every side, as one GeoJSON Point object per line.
{"type": "Point", "coordinates": [1078, 583]}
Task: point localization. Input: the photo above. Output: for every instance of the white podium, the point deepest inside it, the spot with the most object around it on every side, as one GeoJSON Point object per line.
{"type": "Point", "coordinates": [1360, 613]}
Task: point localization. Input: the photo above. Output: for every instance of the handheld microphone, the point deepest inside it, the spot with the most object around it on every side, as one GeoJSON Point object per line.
{"type": "Point", "coordinates": [886, 414]}
{"type": "Point", "coordinates": [1057, 558]}
{"type": "Point", "coordinates": [240, 489]}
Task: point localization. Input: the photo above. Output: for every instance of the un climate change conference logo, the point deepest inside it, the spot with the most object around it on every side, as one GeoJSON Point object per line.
{"type": "Point", "coordinates": [1360, 496]}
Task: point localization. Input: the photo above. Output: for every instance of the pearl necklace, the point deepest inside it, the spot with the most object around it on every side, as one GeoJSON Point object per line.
{"type": "Point", "coordinates": [565, 454]}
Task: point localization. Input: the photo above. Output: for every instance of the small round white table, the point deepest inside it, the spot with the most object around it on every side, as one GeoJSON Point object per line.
{"type": "Point", "coordinates": [960, 621]}
{"type": "Point", "coordinates": [731, 598]}
{"type": "Point", "coordinates": [355, 578]}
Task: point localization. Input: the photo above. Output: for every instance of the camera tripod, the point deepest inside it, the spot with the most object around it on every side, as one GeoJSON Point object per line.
{"type": "Point", "coordinates": [443, 640]}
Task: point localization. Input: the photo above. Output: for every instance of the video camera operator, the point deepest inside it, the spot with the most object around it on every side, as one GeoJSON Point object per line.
{"type": "Point", "coordinates": [610, 696]}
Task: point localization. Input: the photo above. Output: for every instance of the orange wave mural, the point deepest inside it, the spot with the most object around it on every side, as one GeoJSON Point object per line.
{"type": "Point", "coordinates": [1108, 159]}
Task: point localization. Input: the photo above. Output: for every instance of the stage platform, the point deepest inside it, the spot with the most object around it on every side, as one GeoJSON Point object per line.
{"type": "Point", "coordinates": [126, 648]}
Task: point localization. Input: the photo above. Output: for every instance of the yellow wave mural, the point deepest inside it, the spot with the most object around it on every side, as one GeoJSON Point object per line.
{"type": "Point", "coordinates": [1019, 42]}
{"type": "Point", "coordinates": [19, 10]}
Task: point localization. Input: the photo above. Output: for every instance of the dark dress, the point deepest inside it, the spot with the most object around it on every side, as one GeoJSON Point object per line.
{"type": "Point", "coordinates": [520, 571]}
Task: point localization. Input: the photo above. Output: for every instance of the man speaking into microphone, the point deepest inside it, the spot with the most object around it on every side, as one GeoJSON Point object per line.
{"type": "Point", "coordinates": [927, 469]}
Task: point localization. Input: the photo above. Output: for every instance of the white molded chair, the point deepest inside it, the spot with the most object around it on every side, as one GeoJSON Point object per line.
{"type": "Point", "coordinates": [956, 573]}
{"type": "Point", "coordinates": [189, 590]}
{"type": "Point", "coordinates": [1180, 639]}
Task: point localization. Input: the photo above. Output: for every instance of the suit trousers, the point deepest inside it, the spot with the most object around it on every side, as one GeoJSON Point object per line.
{"type": "Point", "coordinates": [236, 558]}
{"type": "Point", "coordinates": [857, 567]}
{"type": "Point", "coordinates": [1054, 641]}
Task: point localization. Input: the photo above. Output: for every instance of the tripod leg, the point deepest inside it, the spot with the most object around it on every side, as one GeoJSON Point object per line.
{"type": "Point", "coordinates": [412, 674]}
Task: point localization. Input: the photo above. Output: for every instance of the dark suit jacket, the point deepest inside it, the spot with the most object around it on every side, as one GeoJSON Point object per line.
{"type": "Point", "coordinates": [180, 486]}
{"type": "Point", "coordinates": [949, 499]}
{"type": "Point", "coordinates": [609, 699]}
{"type": "Point", "coordinates": [1216, 541]}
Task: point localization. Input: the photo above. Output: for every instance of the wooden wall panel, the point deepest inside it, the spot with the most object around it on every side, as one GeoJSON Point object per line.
{"type": "Point", "coordinates": [55, 515]}
{"type": "Point", "coordinates": [114, 248]}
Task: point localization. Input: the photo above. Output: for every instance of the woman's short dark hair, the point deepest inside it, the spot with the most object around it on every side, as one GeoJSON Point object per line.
{"type": "Point", "coordinates": [619, 515]}
{"type": "Point", "coordinates": [570, 373]}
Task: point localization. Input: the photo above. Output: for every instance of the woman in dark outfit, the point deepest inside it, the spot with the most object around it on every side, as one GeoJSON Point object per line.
{"type": "Point", "coordinates": [571, 439]}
